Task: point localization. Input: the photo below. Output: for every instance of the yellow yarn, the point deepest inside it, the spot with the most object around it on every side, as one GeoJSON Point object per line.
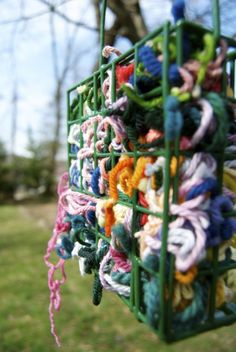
{"type": "Point", "coordinates": [143, 184]}
{"type": "Point", "coordinates": [231, 282]}
{"type": "Point", "coordinates": [139, 170]}
{"type": "Point", "coordinates": [183, 295]}
{"type": "Point", "coordinates": [233, 241]}
{"type": "Point", "coordinates": [229, 179]}
{"type": "Point", "coordinates": [125, 181]}
{"type": "Point", "coordinates": [120, 212]}
{"type": "Point", "coordinates": [220, 292]}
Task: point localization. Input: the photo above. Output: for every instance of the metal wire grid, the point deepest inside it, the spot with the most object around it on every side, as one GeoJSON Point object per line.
{"type": "Point", "coordinates": [75, 115]}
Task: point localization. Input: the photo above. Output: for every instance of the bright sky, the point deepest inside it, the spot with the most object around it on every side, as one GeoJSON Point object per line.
{"type": "Point", "coordinates": [26, 60]}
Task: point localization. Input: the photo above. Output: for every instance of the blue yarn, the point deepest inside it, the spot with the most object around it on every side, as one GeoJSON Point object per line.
{"type": "Point", "coordinates": [220, 229]}
{"type": "Point", "coordinates": [94, 182]}
{"type": "Point", "coordinates": [174, 75]}
{"type": "Point", "coordinates": [64, 249]}
{"type": "Point", "coordinates": [208, 185]}
{"type": "Point", "coordinates": [74, 149]}
{"type": "Point", "coordinates": [177, 10]}
{"type": "Point", "coordinates": [147, 56]}
{"type": "Point", "coordinates": [74, 176]}
{"type": "Point", "coordinates": [91, 217]}
{"type": "Point", "coordinates": [174, 119]}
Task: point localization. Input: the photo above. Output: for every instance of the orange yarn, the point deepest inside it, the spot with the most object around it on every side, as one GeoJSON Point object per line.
{"type": "Point", "coordinates": [109, 218]}
{"type": "Point", "coordinates": [113, 175]}
{"type": "Point", "coordinates": [188, 277]}
{"type": "Point", "coordinates": [125, 181]}
{"type": "Point", "coordinates": [139, 170]}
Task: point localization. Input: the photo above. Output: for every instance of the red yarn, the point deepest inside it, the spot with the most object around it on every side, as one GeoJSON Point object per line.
{"type": "Point", "coordinates": [142, 200]}
{"type": "Point", "coordinates": [143, 219]}
{"type": "Point", "coordinates": [123, 73]}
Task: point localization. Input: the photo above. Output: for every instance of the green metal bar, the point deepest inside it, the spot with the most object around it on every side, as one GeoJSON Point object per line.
{"type": "Point", "coordinates": [147, 211]}
{"type": "Point", "coordinates": [81, 140]}
{"type": "Point", "coordinates": [102, 30]}
{"type": "Point", "coordinates": [95, 92]}
{"type": "Point", "coordinates": [113, 99]}
{"type": "Point", "coordinates": [212, 298]}
{"type": "Point", "coordinates": [68, 128]}
{"type": "Point", "coordinates": [179, 44]}
{"type": "Point", "coordinates": [165, 90]}
{"type": "Point", "coordinates": [137, 286]}
{"type": "Point", "coordinates": [216, 19]}
{"type": "Point", "coordinates": [135, 64]}
{"type": "Point", "coordinates": [172, 257]}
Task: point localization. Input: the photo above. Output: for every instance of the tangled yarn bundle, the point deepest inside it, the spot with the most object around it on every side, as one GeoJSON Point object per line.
{"type": "Point", "coordinates": [146, 170]}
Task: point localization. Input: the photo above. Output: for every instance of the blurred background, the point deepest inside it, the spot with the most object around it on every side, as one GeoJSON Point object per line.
{"type": "Point", "coordinates": [46, 46]}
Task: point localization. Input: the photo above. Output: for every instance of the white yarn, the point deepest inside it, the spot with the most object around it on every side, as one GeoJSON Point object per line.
{"type": "Point", "coordinates": [120, 289]}
{"type": "Point", "coordinates": [74, 135]}
{"type": "Point", "coordinates": [74, 253]}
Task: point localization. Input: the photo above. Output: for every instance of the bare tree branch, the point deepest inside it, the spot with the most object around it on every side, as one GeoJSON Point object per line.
{"type": "Point", "coordinates": [51, 8]}
{"type": "Point", "coordinates": [54, 9]}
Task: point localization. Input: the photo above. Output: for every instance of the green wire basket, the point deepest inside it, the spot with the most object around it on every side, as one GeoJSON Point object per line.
{"type": "Point", "coordinates": [96, 102]}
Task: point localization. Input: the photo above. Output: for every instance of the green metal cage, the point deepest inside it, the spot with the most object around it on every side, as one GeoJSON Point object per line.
{"type": "Point", "coordinates": [75, 108]}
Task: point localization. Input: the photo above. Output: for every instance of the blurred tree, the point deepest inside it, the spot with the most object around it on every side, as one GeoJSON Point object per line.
{"type": "Point", "coordinates": [7, 179]}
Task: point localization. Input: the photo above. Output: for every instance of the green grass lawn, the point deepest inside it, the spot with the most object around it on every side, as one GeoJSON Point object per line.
{"type": "Point", "coordinates": [24, 296]}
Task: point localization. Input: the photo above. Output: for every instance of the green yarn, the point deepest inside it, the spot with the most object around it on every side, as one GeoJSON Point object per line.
{"type": "Point", "coordinates": [97, 290]}
{"type": "Point", "coordinates": [131, 94]}
{"type": "Point", "coordinates": [218, 141]}
{"type": "Point", "coordinates": [205, 56]}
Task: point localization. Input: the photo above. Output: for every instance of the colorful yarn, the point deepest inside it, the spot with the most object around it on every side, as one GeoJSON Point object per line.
{"type": "Point", "coordinates": [114, 174]}
{"type": "Point", "coordinates": [148, 170]}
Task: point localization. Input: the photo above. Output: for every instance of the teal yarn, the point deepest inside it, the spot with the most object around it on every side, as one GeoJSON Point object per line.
{"type": "Point", "coordinates": [102, 251]}
{"type": "Point", "coordinates": [152, 262]}
{"type": "Point", "coordinates": [123, 237]}
{"type": "Point", "coordinates": [173, 118]}
{"type": "Point", "coordinates": [65, 247]}
{"type": "Point", "coordinates": [191, 316]}
{"type": "Point", "coordinates": [122, 278]}
{"type": "Point", "coordinates": [152, 301]}
{"type": "Point", "coordinates": [195, 313]}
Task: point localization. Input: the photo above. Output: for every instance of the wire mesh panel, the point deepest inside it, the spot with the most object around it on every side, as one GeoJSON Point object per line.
{"type": "Point", "coordinates": [151, 150]}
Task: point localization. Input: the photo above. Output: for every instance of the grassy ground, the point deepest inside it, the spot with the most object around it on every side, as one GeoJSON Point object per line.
{"type": "Point", "coordinates": [24, 325]}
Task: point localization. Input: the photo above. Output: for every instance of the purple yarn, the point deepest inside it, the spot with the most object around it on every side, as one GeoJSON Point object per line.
{"type": "Point", "coordinates": [221, 228]}
{"type": "Point", "coordinates": [94, 181]}
{"type": "Point", "coordinates": [208, 185]}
